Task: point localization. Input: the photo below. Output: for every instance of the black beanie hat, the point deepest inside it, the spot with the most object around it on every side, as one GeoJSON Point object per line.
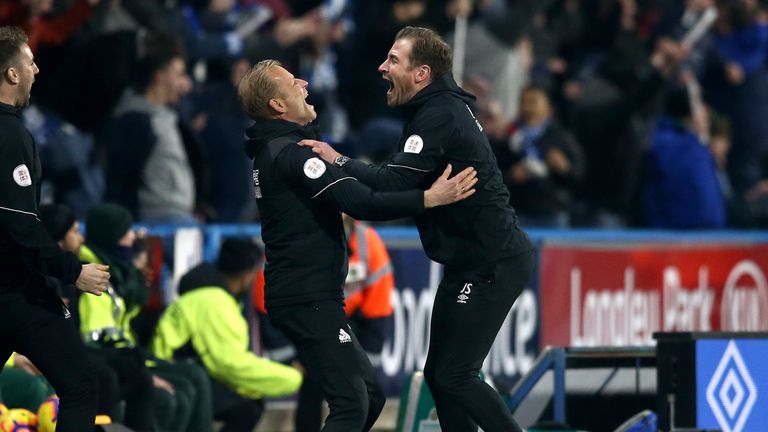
{"type": "Point", "coordinates": [238, 255]}
{"type": "Point", "coordinates": [57, 220]}
{"type": "Point", "coordinates": [106, 224]}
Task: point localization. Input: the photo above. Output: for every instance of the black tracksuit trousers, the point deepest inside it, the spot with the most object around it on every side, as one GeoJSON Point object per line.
{"type": "Point", "coordinates": [40, 332]}
{"type": "Point", "coordinates": [469, 308]}
{"type": "Point", "coordinates": [331, 353]}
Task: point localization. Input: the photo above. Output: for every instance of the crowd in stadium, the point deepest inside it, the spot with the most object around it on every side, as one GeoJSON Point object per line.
{"type": "Point", "coordinates": [601, 113]}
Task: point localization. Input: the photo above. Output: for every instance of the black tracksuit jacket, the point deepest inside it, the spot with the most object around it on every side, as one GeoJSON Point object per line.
{"type": "Point", "coordinates": [27, 253]}
{"type": "Point", "coordinates": [300, 198]}
{"type": "Point", "coordinates": [441, 129]}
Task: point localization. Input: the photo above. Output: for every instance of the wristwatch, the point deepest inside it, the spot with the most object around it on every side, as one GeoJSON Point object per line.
{"type": "Point", "coordinates": [340, 160]}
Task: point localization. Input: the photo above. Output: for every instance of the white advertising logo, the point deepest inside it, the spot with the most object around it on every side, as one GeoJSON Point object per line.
{"type": "Point", "coordinates": [407, 350]}
{"type": "Point", "coordinates": [745, 305]}
{"type": "Point", "coordinates": [731, 392]}
{"type": "Point", "coordinates": [627, 315]}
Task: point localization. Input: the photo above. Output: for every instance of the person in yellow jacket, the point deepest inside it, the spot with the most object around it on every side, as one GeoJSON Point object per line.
{"type": "Point", "coordinates": [161, 395]}
{"type": "Point", "coordinates": [207, 323]}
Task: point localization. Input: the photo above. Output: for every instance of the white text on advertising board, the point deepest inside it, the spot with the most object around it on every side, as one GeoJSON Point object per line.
{"type": "Point", "coordinates": [628, 314]}
{"type": "Point", "coordinates": [407, 350]}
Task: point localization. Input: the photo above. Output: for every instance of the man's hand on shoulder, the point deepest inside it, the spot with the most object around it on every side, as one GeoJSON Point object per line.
{"type": "Point", "coordinates": [447, 191]}
{"type": "Point", "coordinates": [322, 149]}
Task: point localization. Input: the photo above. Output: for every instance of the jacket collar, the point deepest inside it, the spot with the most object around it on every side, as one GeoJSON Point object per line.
{"type": "Point", "coordinates": [10, 110]}
{"type": "Point", "coordinates": [264, 131]}
{"type": "Point", "coordinates": [441, 85]}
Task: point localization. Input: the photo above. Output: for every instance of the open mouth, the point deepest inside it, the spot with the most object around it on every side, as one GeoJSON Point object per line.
{"type": "Point", "coordinates": [391, 87]}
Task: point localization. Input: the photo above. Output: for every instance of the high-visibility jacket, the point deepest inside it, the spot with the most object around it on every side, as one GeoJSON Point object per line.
{"type": "Point", "coordinates": [105, 318]}
{"type": "Point", "coordinates": [207, 319]}
{"type": "Point", "coordinates": [370, 282]}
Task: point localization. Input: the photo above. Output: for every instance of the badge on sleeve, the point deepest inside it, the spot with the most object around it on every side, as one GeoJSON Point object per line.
{"type": "Point", "coordinates": [21, 176]}
{"type": "Point", "coordinates": [413, 144]}
{"type": "Point", "coordinates": [314, 168]}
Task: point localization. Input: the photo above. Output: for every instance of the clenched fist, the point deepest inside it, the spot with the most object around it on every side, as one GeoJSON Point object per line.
{"type": "Point", "coordinates": [93, 278]}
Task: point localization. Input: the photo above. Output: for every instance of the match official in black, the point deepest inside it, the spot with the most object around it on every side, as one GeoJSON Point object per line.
{"type": "Point", "coordinates": [33, 319]}
{"type": "Point", "coordinates": [488, 259]}
{"type": "Point", "coordinates": [299, 198]}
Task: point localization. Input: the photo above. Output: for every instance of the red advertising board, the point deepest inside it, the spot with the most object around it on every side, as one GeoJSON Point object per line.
{"type": "Point", "coordinates": [618, 295]}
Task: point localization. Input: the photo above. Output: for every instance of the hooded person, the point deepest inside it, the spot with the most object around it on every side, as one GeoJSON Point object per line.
{"type": "Point", "coordinates": [105, 320]}
{"type": "Point", "coordinates": [62, 225]}
{"type": "Point", "coordinates": [206, 324]}
{"type": "Point", "coordinates": [110, 239]}
{"type": "Point", "coordinates": [64, 228]}
{"type": "Point", "coordinates": [181, 395]}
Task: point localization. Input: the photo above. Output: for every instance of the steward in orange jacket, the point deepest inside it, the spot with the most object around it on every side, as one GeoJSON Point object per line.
{"type": "Point", "coordinates": [367, 292]}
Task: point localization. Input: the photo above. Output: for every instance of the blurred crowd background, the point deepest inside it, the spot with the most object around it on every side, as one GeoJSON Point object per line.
{"type": "Point", "coordinates": [602, 113]}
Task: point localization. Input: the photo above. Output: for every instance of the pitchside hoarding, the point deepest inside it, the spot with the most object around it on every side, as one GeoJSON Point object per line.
{"type": "Point", "coordinates": [597, 294]}
{"type": "Point", "coordinates": [405, 347]}
{"type": "Point", "coordinates": [731, 384]}
{"type": "Point", "coordinates": [587, 290]}
{"type": "Point", "coordinates": [719, 381]}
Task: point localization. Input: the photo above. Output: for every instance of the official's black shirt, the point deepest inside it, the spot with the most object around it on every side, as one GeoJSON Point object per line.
{"type": "Point", "coordinates": [441, 129]}
{"type": "Point", "coordinates": [299, 198]}
{"type": "Point", "coordinates": [27, 252]}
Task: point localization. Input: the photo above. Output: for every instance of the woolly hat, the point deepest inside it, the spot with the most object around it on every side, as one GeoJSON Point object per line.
{"type": "Point", "coordinates": [106, 224]}
{"type": "Point", "coordinates": [57, 220]}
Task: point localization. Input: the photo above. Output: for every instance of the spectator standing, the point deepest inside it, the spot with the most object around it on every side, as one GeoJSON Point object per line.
{"type": "Point", "coordinates": [682, 189]}
{"type": "Point", "coordinates": [542, 164]}
{"type": "Point", "coordinates": [149, 166]}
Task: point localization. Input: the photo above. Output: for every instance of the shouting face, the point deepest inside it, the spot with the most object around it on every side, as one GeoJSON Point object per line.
{"type": "Point", "coordinates": [22, 73]}
{"type": "Point", "coordinates": [403, 77]}
{"type": "Point", "coordinates": [291, 101]}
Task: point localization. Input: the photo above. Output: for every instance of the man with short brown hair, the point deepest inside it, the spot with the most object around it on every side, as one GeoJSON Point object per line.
{"type": "Point", "coordinates": [154, 167]}
{"type": "Point", "coordinates": [488, 259]}
{"type": "Point", "coordinates": [33, 320]}
{"type": "Point", "coordinates": [428, 49]}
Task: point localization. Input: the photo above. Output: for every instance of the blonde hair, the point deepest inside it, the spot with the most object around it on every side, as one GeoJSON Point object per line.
{"type": "Point", "coordinates": [256, 88]}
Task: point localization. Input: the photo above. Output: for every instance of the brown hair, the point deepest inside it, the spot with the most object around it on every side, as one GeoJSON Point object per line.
{"type": "Point", "coordinates": [428, 49]}
{"type": "Point", "coordinates": [156, 52]}
{"type": "Point", "coordinates": [256, 88]}
{"type": "Point", "coordinates": [11, 40]}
